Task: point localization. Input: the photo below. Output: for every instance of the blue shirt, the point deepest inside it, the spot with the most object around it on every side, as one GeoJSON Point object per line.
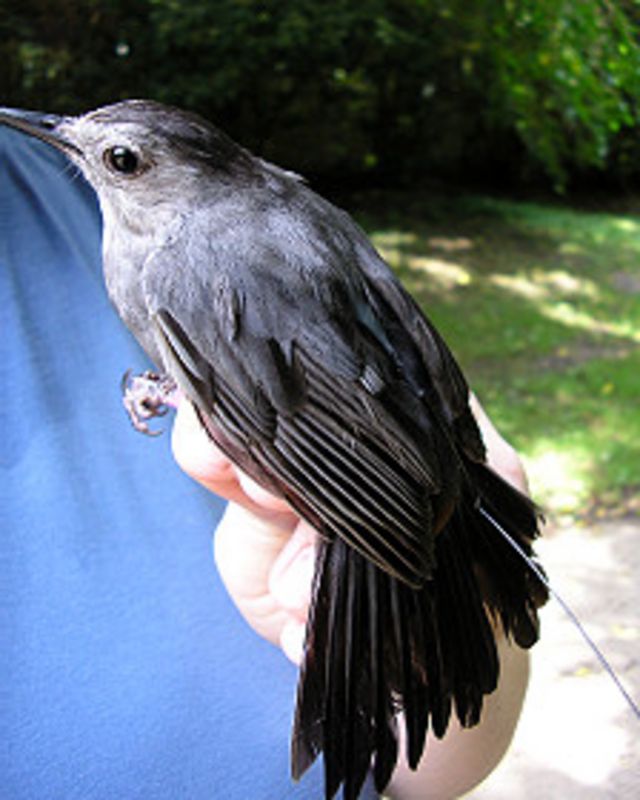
{"type": "Point", "coordinates": [125, 670]}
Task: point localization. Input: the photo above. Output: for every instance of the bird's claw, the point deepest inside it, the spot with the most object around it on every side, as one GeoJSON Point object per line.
{"type": "Point", "coordinates": [147, 396]}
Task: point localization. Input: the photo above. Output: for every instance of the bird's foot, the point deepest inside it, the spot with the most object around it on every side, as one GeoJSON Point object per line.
{"type": "Point", "coordinates": [147, 396]}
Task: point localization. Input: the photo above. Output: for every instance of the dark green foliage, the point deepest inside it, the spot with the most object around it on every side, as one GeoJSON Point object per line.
{"type": "Point", "coordinates": [500, 89]}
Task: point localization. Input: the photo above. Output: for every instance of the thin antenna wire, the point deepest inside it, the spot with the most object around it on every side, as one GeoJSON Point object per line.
{"type": "Point", "coordinates": [568, 611]}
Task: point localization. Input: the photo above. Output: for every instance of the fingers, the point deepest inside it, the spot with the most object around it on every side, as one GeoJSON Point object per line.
{"type": "Point", "coordinates": [199, 457]}
{"type": "Point", "coordinates": [264, 552]}
{"type": "Point", "coordinates": [261, 497]}
{"type": "Point", "coordinates": [290, 577]}
{"type": "Point", "coordinates": [292, 640]}
{"type": "Point", "coordinates": [245, 548]}
{"type": "Point", "coordinates": [267, 569]}
{"type": "Point", "coordinates": [290, 584]}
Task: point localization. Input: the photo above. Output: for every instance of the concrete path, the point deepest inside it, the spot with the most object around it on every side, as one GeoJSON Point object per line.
{"type": "Point", "coordinates": [577, 739]}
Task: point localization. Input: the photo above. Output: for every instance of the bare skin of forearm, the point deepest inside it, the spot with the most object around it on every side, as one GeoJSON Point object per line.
{"type": "Point", "coordinates": [452, 766]}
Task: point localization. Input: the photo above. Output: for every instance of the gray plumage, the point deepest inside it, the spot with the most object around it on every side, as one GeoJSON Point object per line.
{"type": "Point", "coordinates": [314, 370]}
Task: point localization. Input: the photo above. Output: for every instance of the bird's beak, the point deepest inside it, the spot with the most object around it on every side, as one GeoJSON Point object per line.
{"type": "Point", "coordinates": [43, 126]}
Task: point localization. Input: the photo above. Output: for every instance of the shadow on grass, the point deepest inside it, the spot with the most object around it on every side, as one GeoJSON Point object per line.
{"type": "Point", "coordinates": [541, 305]}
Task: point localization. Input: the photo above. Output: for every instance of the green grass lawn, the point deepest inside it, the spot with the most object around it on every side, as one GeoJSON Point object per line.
{"type": "Point", "coordinates": [541, 305]}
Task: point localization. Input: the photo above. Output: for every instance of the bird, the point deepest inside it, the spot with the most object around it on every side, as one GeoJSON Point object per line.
{"type": "Point", "coordinates": [314, 370]}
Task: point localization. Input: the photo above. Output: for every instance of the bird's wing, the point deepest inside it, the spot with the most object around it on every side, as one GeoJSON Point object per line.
{"type": "Point", "coordinates": [298, 383]}
{"type": "Point", "coordinates": [427, 360]}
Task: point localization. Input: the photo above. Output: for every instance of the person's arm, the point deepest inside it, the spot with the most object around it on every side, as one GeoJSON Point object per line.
{"type": "Point", "coordinates": [265, 555]}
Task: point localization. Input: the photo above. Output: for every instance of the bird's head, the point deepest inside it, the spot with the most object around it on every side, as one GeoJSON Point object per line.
{"type": "Point", "coordinates": [141, 156]}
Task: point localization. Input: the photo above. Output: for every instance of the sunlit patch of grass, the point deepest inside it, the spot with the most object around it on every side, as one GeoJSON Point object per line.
{"type": "Point", "coordinates": [444, 274]}
{"type": "Point", "coordinates": [574, 317]}
{"type": "Point", "coordinates": [521, 285]}
{"type": "Point", "coordinates": [541, 305]}
{"type": "Point", "coordinates": [578, 428]}
{"type": "Point", "coordinates": [559, 475]}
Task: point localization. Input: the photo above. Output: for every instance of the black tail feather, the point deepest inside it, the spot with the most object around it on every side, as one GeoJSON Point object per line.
{"type": "Point", "coordinates": [471, 662]}
{"type": "Point", "coordinates": [376, 647]}
{"type": "Point", "coordinates": [384, 722]}
{"type": "Point", "coordinates": [511, 589]}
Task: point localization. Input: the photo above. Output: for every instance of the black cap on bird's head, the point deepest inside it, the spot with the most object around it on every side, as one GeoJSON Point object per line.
{"type": "Point", "coordinates": [117, 144]}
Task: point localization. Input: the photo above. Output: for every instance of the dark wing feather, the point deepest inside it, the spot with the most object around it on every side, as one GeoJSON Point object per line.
{"type": "Point", "coordinates": [426, 360]}
{"type": "Point", "coordinates": [338, 454]}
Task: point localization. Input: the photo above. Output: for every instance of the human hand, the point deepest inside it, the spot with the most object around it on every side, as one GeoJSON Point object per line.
{"type": "Point", "coordinates": [264, 552]}
{"type": "Point", "coordinates": [265, 555]}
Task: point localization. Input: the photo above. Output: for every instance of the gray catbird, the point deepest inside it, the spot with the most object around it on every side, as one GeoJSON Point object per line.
{"type": "Point", "coordinates": [312, 368]}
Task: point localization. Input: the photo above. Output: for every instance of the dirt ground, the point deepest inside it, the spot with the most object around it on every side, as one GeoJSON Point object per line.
{"type": "Point", "coordinates": [577, 738]}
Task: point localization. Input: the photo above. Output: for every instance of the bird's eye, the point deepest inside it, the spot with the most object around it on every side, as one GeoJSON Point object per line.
{"type": "Point", "coordinates": [121, 159]}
